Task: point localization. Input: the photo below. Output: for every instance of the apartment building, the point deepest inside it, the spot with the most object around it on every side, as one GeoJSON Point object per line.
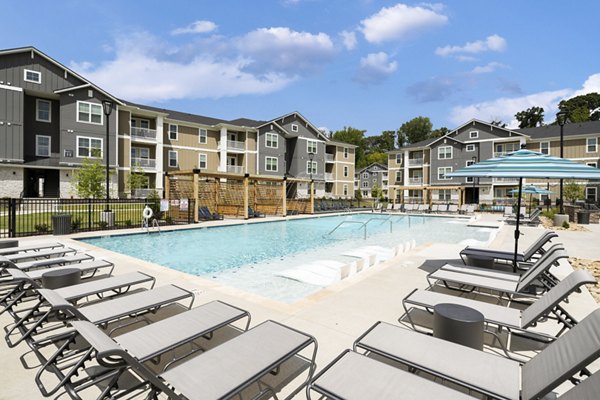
{"type": "Point", "coordinates": [369, 177]}
{"type": "Point", "coordinates": [418, 171]}
{"type": "Point", "coordinates": [51, 119]}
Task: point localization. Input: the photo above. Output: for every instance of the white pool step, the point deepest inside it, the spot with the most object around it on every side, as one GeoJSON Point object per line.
{"type": "Point", "coordinates": [320, 273]}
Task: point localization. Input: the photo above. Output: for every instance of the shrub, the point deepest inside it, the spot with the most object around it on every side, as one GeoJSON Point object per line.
{"type": "Point", "coordinates": [75, 224]}
{"type": "Point", "coordinates": [550, 213]}
{"type": "Point", "coordinates": [566, 225]}
{"type": "Point", "coordinates": [102, 224]}
{"type": "Point", "coordinates": [153, 200]}
{"type": "Point", "coordinates": [42, 228]}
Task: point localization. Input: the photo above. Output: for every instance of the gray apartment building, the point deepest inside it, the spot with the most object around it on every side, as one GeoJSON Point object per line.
{"type": "Point", "coordinates": [369, 177]}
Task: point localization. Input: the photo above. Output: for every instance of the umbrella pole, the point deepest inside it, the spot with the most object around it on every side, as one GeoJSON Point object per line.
{"type": "Point", "coordinates": [517, 232]}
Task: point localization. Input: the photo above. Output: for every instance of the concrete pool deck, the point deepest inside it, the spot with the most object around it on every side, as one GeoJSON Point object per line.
{"type": "Point", "coordinates": [336, 315]}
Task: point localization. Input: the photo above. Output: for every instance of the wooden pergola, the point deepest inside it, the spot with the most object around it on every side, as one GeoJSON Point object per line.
{"type": "Point", "coordinates": [197, 175]}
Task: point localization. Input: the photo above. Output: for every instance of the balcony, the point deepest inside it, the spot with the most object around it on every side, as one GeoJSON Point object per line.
{"type": "Point", "coordinates": [143, 162]}
{"type": "Point", "coordinates": [235, 145]}
{"type": "Point", "coordinates": [506, 180]}
{"type": "Point", "coordinates": [329, 158]}
{"type": "Point", "coordinates": [415, 162]}
{"type": "Point", "coordinates": [500, 153]}
{"type": "Point", "coordinates": [328, 176]}
{"type": "Point", "coordinates": [235, 169]}
{"type": "Point", "coordinates": [143, 133]}
{"type": "Point", "coordinates": [415, 180]}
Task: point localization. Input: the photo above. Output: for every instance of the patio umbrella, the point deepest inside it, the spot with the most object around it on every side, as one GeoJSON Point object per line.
{"type": "Point", "coordinates": [527, 164]}
{"type": "Point", "coordinates": [531, 190]}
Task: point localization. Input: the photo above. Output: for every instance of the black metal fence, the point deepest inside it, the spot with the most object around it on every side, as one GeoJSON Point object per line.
{"type": "Point", "coordinates": [27, 217]}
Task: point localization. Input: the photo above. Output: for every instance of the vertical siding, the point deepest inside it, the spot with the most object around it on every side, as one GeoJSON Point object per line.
{"type": "Point", "coordinates": [11, 131]}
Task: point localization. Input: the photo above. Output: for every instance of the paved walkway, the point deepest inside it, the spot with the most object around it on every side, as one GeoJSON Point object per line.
{"type": "Point", "coordinates": [336, 316]}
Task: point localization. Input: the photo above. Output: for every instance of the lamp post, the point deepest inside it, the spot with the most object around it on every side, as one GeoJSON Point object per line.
{"type": "Point", "coordinates": [561, 119]}
{"type": "Point", "coordinates": [474, 159]}
{"type": "Point", "coordinates": [107, 106]}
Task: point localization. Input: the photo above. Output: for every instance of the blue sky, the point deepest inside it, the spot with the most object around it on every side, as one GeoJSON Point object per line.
{"type": "Point", "coordinates": [368, 64]}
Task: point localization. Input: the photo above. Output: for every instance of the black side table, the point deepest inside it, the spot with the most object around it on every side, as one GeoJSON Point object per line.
{"type": "Point", "coordinates": [458, 324]}
{"type": "Point", "coordinates": [57, 278]}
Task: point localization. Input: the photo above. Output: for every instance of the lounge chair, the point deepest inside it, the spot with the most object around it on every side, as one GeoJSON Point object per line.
{"type": "Point", "coordinates": [398, 207]}
{"type": "Point", "coordinates": [587, 389]}
{"type": "Point", "coordinates": [222, 372]}
{"type": "Point", "coordinates": [537, 247]}
{"type": "Point", "coordinates": [30, 248]}
{"type": "Point", "coordinates": [462, 209]}
{"type": "Point", "coordinates": [37, 255]}
{"type": "Point", "coordinates": [453, 208]}
{"type": "Point", "coordinates": [143, 344]}
{"type": "Point", "coordinates": [488, 374]}
{"type": "Point", "coordinates": [44, 263]}
{"type": "Point", "coordinates": [533, 219]}
{"type": "Point", "coordinates": [101, 313]}
{"type": "Point", "coordinates": [255, 214]}
{"type": "Point", "coordinates": [508, 211]}
{"type": "Point", "coordinates": [205, 214]}
{"type": "Point", "coordinates": [435, 208]}
{"type": "Point", "coordinates": [409, 207]}
{"type": "Point", "coordinates": [511, 318]}
{"type": "Point", "coordinates": [353, 376]}
{"type": "Point", "coordinates": [442, 208]}
{"type": "Point", "coordinates": [470, 209]}
{"type": "Point", "coordinates": [467, 278]}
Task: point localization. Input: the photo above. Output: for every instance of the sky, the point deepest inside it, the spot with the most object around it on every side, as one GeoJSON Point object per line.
{"type": "Point", "coordinates": [368, 64]}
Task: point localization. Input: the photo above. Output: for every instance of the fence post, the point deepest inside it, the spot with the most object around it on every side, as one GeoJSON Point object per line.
{"type": "Point", "coordinates": [89, 214]}
{"type": "Point", "coordinates": [12, 218]}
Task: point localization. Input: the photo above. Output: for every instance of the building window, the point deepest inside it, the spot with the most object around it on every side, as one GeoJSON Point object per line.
{"type": "Point", "coordinates": [470, 179]}
{"type": "Point", "coordinates": [592, 145]}
{"type": "Point", "coordinates": [345, 190]}
{"type": "Point", "coordinates": [473, 134]}
{"type": "Point", "coordinates": [173, 132]}
{"type": "Point", "coordinates": [398, 176]}
{"type": "Point", "coordinates": [271, 140]}
{"type": "Point", "coordinates": [173, 162]}
{"type": "Point", "coordinates": [202, 136]}
{"type": "Point", "coordinates": [32, 76]}
{"type": "Point", "coordinates": [399, 158]}
{"type": "Point", "coordinates": [545, 147]}
{"type": "Point", "coordinates": [470, 147]}
{"type": "Point", "coordinates": [43, 110]}
{"type": "Point", "coordinates": [42, 146]}
{"type": "Point", "coordinates": [444, 195]}
{"type": "Point", "coordinates": [311, 167]}
{"type": "Point", "coordinates": [89, 147]}
{"type": "Point", "coordinates": [294, 128]}
{"type": "Point", "coordinates": [89, 113]}
{"type": "Point", "coordinates": [202, 161]}
{"type": "Point", "coordinates": [365, 184]}
{"type": "Point", "coordinates": [366, 175]}
{"type": "Point", "coordinates": [140, 152]}
{"type": "Point", "coordinates": [365, 193]}
{"type": "Point", "coordinates": [374, 180]}
{"type": "Point", "coordinates": [311, 146]}
{"type": "Point", "coordinates": [345, 152]}
{"type": "Point", "coordinates": [591, 194]}
{"type": "Point", "coordinates": [271, 164]}
{"type": "Point", "coordinates": [346, 171]}
{"type": "Point", "coordinates": [444, 152]}
{"type": "Point", "coordinates": [442, 171]}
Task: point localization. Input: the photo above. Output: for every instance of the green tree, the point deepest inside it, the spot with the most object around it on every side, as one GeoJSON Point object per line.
{"type": "Point", "coordinates": [136, 179]}
{"type": "Point", "coordinates": [439, 132]}
{"type": "Point", "coordinates": [585, 107]}
{"type": "Point", "coordinates": [498, 122]}
{"type": "Point", "coordinates": [376, 192]}
{"type": "Point", "coordinates": [530, 118]}
{"type": "Point", "coordinates": [356, 137]}
{"type": "Point", "coordinates": [415, 130]}
{"type": "Point", "coordinates": [375, 157]}
{"type": "Point", "coordinates": [573, 191]}
{"type": "Point", "coordinates": [381, 143]}
{"type": "Point", "coordinates": [89, 179]}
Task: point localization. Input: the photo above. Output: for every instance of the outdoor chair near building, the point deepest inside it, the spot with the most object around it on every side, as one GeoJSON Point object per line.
{"type": "Point", "coordinates": [39, 255]}
{"type": "Point", "coordinates": [255, 214]}
{"type": "Point", "coordinates": [30, 248]}
{"type": "Point", "coordinates": [205, 214]}
{"type": "Point", "coordinates": [443, 208]}
{"type": "Point", "coordinates": [532, 219]}
{"type": "Point", "coordinates": [5, 263]}
{"type": "Point", "coordinates": [453, 208]}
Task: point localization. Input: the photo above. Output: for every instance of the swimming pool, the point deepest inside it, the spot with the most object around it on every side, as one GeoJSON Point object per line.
{"type": "Point", "coordinates": [248, 256]}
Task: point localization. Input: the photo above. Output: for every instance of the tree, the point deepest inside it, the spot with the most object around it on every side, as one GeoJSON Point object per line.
{"type": "Point", "coordinates": [530, 118]}
{"type": "Point", "coordinates": [375, 157]}
{"type": "Point", "coordinates": [381, 143]}
{"type": "Point", "coordinates": [585, 107]}
{"type": "Point", "coordinates": [376, 192]}
{"type": "Point", "coordinates": [136, 179]}
{"type": "Point", "coordinates": [88, 180]}
{"type": "Point", "coordinates": [573, 191]}
{"type": "Point", "coordinates": [356, 137]}
{"type": "Point", "coordinates": [415, 130]}
{"type": "Point", "coordinates": [498, 122]}
{"type": "Point", "coordinates": [439, 132]}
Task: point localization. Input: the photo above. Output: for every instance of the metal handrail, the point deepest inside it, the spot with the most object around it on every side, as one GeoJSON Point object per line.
{"type": "Point", "coordinates": [380, 219]}
{"type": "Point", "coordinates": [364, 225]}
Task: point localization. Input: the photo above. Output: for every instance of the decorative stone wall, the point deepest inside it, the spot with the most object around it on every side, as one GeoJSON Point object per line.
{"type": "Point", "coordinates": [11, 181]}
{"type": "Point", "coordinates": [572, 212]}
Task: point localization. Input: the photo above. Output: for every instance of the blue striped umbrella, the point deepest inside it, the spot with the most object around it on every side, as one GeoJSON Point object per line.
{"type": "Point", "coordinates": [527, 164]}
{"type": "Point", "coordinates": [531, 190]}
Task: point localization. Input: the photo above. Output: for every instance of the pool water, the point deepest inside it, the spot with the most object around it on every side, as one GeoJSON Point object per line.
{"type": "Point", "coordinates": [248, 256]}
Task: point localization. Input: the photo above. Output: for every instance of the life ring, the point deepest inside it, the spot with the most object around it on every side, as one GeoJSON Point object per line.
{"type": "Point", "coordinates": [147, 213]}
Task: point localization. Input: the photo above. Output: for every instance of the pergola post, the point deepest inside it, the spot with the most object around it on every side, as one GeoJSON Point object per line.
{"type": "Point", "coordinates": [312, 197]}
{"type": "Point", "coordinates": [167, 191]}
{"type": "Point", "coordinates": [424, 196]}
{"type": "Point", "coordinates": [246, 176]}
{"type": "Point", "coordinates": [393, 195]}
{"type": "Point", "coordinates": [216, 195]}
{"type": "Point", "coordinates": [284, 195]}
{"type": "Point", "coordinates": [461, 196]}
{"type": "Point", "coordinates": [196, 182]}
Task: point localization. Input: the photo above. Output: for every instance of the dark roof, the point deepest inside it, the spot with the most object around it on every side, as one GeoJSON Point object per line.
{"type": "Point", "coordinates": [422, 143]}
{"type": "Point", "coordinates": [574, 129]}
{"type": "Point", "coordinates": [181, 116]}
{"type": "Point", "coordinates": [246, 122]}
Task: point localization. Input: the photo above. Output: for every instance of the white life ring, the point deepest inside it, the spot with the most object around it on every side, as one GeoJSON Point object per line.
{"type": "Point", "coordinates": [147, 213]}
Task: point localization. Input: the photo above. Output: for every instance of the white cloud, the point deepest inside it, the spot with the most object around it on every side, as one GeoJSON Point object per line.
{"type": "Point", "coordinates": [591, 85]}
{"type": "Point", "coordinates": [196, 27]}
{"type": "Point", "coordinates": [348, 39]}
{"type": "Point", "coordinates": [285, 50]}
{"type": "Point", "coordinates": [146, 70]}
{"type": "Point", "coordinates": [375, 67]}
{"type": "Point", "coordinates": [489, 67]}
{"type": "Point", "coordinates": [399, 21]}
{"type": "Point", "coordinates": [491, 43]}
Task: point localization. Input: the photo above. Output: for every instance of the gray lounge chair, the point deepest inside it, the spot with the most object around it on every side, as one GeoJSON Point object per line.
{"type": "Point", "coordinates": [101, 313]}
{"type": "Point", "coordinates": [44, 263]}
{"type": "Point", "coordinates": [453, 208]}
{"type": "Point", "coordinates": [537, 247]}
{"type": "Point", "coordinates": [532, 219]}
{"type": "Point", "coordinates": [471, 278]}
{"type": "Point", "coordinates": [353, 376]}
{"type": "Point", "coordinates": [144, 344]}
{"type": "Point", "coordinates": [443, 208]}
{"type": "Point", "coordinates": [37, 255]}
{"type": "Point", "coordinates": [511, 318]}
{"type": "Point", "coordinates": [219, 373]}
{"type": "Point", "coordinates": [493, 376]}
{"type": "Point", "coordinates": [587, 389]}
{"type": "Point", "coordinates": [30, 248]}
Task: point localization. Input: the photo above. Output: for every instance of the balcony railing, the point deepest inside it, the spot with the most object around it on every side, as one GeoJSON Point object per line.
{"type": "Point", "coordinates": [143, 162]}
{"type": "Point", "coordinates": [235, 145]}
{"type": "Point", "coordinates": [500, 153]}
{"type": "Point", "coordinates": [235, 169]}
{"type": "Point", "coordinates": [143, 133]}
{"type": "Point", "coordinates": [506, 180]}
{"type": "Point", "coordinates": [415, 162]}
{"type": "Point", "coordinates": [415, 180]}
{"type": "Point", "coordinates": [329, 157]}
{"type": "Point", "coordinates": [328, 176]}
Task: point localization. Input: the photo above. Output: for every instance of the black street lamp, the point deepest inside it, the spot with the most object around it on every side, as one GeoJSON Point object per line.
{"type": "Point", "coordinates": [107, 106]}
{"type": "Point", "coordinates": [561, 119]}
